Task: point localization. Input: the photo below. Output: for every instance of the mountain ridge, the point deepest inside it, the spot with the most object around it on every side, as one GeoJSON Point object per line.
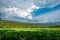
{"type": "Point", "coordinates": [15, 24]}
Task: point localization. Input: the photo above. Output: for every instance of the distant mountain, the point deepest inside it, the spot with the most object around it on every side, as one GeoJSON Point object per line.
{"type": "Point", "coordinates": [15, 24]}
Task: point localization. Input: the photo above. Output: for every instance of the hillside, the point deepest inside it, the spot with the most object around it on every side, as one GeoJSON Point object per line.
{"type": "Point", "coordinates": [14, 24]}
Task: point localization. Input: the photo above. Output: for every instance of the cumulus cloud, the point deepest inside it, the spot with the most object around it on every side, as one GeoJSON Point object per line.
{"type": "Point", "coordinates": [18, 8]}
{"type": "Point", "coordinates": [49, 17]}
{"type": "Point", "coordinates": [18, 12]}
{"type": "Point", "coordinates": [23, 9]}
{"type": "Point", "coordinates": [11, 12]}
{"type": "Point", "coordinates": [46, 3]}
{"type": "Point", "coordinates": [23, 4]}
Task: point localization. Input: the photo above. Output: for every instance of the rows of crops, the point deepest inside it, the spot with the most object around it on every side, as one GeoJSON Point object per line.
{"type": "Point", "coordinates": [30, 34]}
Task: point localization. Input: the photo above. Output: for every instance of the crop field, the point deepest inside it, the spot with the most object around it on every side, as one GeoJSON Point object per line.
{"type": "Point", "coordinates": [29, 33]}
{"type": "Point", "coordinates": [31, 29]}
{"type": "Point", "coordinates": [11, 30]}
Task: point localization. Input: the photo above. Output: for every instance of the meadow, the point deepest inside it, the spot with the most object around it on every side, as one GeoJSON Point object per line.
{"type": "Point", "coordinates": [10, 30]}
{"type": "Point", "coordinates": [30, 34]}
{"type": "Point", "coordinates": [31, 29]}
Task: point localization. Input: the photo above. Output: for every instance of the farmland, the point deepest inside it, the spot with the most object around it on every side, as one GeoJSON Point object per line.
{"type": "Point", "coordinates": [31, 29]}
{"type": "Point", "coordinates": [10, 30]}
{"type": "Point", "coordinates": [29, 33]}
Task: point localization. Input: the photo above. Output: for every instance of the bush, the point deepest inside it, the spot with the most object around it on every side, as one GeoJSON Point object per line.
{"type": "Point", "coordinates": [29, 35]}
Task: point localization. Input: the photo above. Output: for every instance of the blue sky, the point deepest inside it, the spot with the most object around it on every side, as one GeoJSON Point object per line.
{"type": "Point", "coordinates": [35, 11]}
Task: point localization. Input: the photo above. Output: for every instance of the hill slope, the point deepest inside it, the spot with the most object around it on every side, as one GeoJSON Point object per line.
{"type": "Point", "coordinates": [14, 24]}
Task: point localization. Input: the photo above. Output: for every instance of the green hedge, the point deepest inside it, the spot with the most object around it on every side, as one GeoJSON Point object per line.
{"type": "Point", "coordinates": [29, 35]}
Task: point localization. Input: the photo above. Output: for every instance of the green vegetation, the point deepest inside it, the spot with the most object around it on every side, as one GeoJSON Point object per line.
{"type": "Point", "coordinates": [14, 24]}
{"type": "Point", "coordinates": [30, 34]}
{"type": "Point", "coordinates": [11, 30]}
{"type": "Point", "coordinates": [31, 29]}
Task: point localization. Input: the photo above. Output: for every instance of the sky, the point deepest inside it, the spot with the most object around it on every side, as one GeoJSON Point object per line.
{"type": "Point", "coordinates": [34, 11]}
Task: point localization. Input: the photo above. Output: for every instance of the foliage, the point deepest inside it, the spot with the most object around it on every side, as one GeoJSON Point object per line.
{"type": "Point", "coordinates": [30, 35]}
{"type": "Point", "coordinates": [14, 24]}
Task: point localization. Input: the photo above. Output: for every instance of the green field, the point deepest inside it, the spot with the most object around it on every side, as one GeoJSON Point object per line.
{"type": "Point", "coordinates": [29, 33]}
{"type": "Point", "coordinates": [12, 30]}
{"type": "Point", "coordinates": [31, 29]}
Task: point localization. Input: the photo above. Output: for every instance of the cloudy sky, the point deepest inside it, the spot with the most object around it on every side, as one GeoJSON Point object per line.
{"type": "Point", "coordinates": [35, 11]}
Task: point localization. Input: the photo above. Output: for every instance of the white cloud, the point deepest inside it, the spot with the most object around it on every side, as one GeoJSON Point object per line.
{"type": "Point", "coordinates": [49, 17]}
{"type": "Point", "coordinates": [23, 9]}
{"type": "Point", "coordinates": [18, 8]}
{"type": "Point", "coordinates": [11, 12]}
{"type": "Point", "coordinates": [23, 4]}
{"type": "Point", "coordinates": [46, 3]}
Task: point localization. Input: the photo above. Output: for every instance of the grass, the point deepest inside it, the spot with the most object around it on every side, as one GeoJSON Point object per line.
{"type": "Point", "coordinates": [10, 30]}
{"type": "Point", "coordinates": [30, 29]}
{"type": "Point", "coordinates": [29, 33]}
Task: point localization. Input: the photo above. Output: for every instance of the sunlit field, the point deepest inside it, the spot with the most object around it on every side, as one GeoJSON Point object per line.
{"type": "Point", "coordinates": [11, 30]}
{"type": "Point", "coordinates": [29, 33]}
{"type": "Point", "coordinates": [29, 19]}
{"type": "Point", "coordinates": [31, 29]}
